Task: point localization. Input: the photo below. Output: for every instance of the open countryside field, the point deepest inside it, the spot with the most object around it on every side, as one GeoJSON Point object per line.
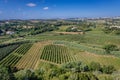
{"type": "Point", "coordinates": [102, 59]}
{"type": "Point", "coordinates": [52, 50]}
{"type": "Point", "coordinates": [30, 56]}
{"type": "Point", "coordinates": [59, 40]}
{"type": "Point", "coordinates": [70, 33]}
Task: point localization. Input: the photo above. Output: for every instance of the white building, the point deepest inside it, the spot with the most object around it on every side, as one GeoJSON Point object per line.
{"type": "Point", "coordinates": [114, 26]}
{"type": "Point", "coordinates": [10, 32]}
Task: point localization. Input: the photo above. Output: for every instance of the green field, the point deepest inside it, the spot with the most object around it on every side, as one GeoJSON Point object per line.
{"type": "Point", "coordinates": [57, 54]}
{"type": "Point", "coordinates": [15, 56]}
{"type": "Point", "coordinates": [50, 50]}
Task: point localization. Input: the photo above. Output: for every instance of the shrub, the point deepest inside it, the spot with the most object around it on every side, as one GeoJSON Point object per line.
{"type": "Point", "coordinates": [94, 66]}
{"type": "Point", "coordinates": [110, 47]}
{"type": "Point", "coordinates": [108, 69]}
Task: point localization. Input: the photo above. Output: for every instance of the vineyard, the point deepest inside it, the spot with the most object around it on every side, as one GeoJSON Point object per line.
{"type": "Point", "coordinates": [4, 51]}
{"type": "Point", "coordinates": [86, 54]}
{"type": "Point", "coordinates": [16, 55]}
{"type": "Point", "coordinates": [57, 54]}
{"type": "Point", "coordinates": [32, 57]}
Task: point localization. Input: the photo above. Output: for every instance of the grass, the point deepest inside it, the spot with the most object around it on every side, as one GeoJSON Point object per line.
{"type": "Point", "coordinates": [93, 37]}
{"type": "Point", "coordinates": [63, 28]}
{"type": "Point", "coordinates": [102, 59]}
{"type": "Point", "coordinates": [84, 46]}
{"type": "Point", "coordinates": [86, 54]}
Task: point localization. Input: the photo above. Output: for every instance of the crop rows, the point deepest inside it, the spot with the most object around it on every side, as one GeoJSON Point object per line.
{"type": "Point", "coordinates": [56, 53]}
{"type": "Point", "coordinates": [23, 49]}
{"type": "Point", "coordinates": [15, 56]}
{"type": "Point", "coordinates": [31, 58]}
{"type": "Point", "coordinates": [4, 51]}
{"type": "Point", "coordinates": [11, 60]}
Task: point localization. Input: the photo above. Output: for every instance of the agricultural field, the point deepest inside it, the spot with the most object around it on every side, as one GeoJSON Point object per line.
{"type": "Point", "coordinates": [72, 33]}
{"type": "Point", "coordinates": [32, 57]}
{"type": "Point", "coordinates": [57, 54]}
{"type": "Point", "coordinates": [59, 40]}
{"type": "Point", "coordinates": [102, 59]}
{"type": "Point", "coordinates": [51, 51]}
{"type": "Point", "coordinates": [4, 51]}
{"type": "Point", "coordinates": [15, 56]}
{"type": "Point", "coordinates": [87, 53]}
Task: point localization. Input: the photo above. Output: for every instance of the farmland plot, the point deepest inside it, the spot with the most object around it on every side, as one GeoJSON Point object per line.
{"type": "Point", "coordinates": [102, 59]}
{"type": "Point", "coordinates": [32, 57]}
{"type": "Point", "coordinates": [57, 54]}
{"type": "Point", "coordinates": [4, 51]}
{"type": "Point", "coordinates": [16, 55]}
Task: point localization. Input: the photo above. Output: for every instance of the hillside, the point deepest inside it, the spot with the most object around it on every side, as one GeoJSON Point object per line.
{"type": "Point", "coordinates": [58, 53]}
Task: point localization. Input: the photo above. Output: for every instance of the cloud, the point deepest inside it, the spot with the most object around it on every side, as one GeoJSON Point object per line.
{"type": "Point", "coordinates": [31, 4]}
{"type": "Point", "coordinates": [45, 8]}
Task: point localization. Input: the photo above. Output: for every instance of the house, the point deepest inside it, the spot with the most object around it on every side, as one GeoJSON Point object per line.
{"type": "Point", "coordinates": [10, 32]}
{"type": "Point", "coordinates": [114, 26]}
{"type": "Point", "coordinates": [73, 28]}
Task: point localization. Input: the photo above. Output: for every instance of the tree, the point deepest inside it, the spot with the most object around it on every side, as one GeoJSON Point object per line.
{"type": "Point", "coordinates": [40, 73]}
{"type": "Point", "coordinates": [4, 74]}
{"type": "Point", "coordinates": [64, 76]}
{"type": "Point", "coordinates": [108, 69]}
{"type": "Point", "coordinates": [84, 68]}
{"type": "Point", "coordinates": [94, 66]}
{"type": "Point", "coordinates": [25, 75]}
{"type": "Point", "coordinates": [82, 76]}
{"type": "Point", "coordinates": [110, 47]}
{"type": "Point", "coordinates": [1, 32]}
{"type": "Point", "coordinates": [107, 30]}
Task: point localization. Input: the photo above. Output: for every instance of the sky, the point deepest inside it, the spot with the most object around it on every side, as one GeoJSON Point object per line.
{"type": "Point", "coordinates": [46, 9]}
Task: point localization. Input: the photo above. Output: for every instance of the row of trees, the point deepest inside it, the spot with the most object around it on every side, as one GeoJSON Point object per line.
{"type": "Point", "coordinates": [81, 26]}
{"type": "Point", "coordinates": [69, 71]}
{"type": "Point", "coordinates": [110, 47]}
{"type": "Point", "coordinates": [93, 66]}
{"type": "Point", "coordinates": [32, 28]}
{"type": "Point", "coordinates": [113, 30]}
